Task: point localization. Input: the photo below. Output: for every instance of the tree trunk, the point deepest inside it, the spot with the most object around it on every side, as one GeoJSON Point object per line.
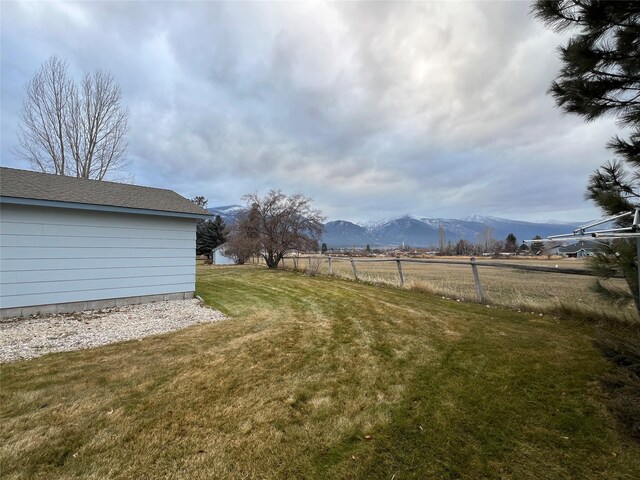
{"type": "Point", "coordinates": [271, 260]}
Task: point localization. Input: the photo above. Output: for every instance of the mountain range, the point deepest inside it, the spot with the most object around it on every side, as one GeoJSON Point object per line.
{"type": "Point", "coordinates": [420, 231]}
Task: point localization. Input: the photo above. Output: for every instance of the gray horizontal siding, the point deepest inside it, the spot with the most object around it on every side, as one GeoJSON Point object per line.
{"type": "Point", "coordinates": [89, 295]}
{"type": "Point", "coordinates": [89, 251]}
{"type": "Point", "coordinates": [44, 264]}
{"type": "Point", "coordinates": [51, 255]}
{"type": "Point", "coordinates": [61, 275]}
{"type": "Point", "coordinates": [60, 241]}
{"type": "Point", "coordinates": [70, 286]}
{"type": "Point", "coordinates": [95, 231]}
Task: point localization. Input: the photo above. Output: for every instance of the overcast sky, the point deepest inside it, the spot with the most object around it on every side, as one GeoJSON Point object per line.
{"type": "Point", "coordinates": [373, 109]}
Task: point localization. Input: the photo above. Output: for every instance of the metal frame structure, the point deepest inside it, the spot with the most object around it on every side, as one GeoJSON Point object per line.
{"type": "Point", "coordinates": [581, 233]}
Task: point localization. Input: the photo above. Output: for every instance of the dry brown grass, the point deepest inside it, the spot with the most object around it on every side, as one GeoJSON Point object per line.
{"type": "Point", "coordinates": [314, 377]}
{"type": "Point", "coordinates": [518, 289]}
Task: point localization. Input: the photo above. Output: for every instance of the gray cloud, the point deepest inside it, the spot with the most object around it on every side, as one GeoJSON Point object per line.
{"type": "Point", "coordinates": [374, 109]}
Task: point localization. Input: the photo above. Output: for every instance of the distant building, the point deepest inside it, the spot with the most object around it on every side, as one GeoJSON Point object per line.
{"type": "Point", "coordinates": [555, 249]}
{"type": "Point", "coordinates": [219, 256]}
{"type": "Point", "coordinates": [581, 249]}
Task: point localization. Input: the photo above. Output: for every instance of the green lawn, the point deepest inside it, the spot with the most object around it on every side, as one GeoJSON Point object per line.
{"type": "Point", "coordinates": [314, 377]}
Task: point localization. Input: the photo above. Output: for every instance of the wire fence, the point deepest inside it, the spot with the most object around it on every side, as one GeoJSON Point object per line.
{"type": "Point", "coordinates": [505, 283]}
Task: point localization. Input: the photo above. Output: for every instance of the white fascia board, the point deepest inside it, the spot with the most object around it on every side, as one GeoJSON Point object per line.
{"type": "Point", "coordinates": [100, 208]}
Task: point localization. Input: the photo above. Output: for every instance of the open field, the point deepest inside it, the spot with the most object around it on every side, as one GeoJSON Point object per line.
{"type": "Point", "coordinates": [513, 288]}
{"type": "Point", "coordinates": [315, 377]}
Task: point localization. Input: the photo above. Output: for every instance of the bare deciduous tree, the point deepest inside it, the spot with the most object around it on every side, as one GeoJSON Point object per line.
{"type": "Point", "coordinates": [42, 134]}
{"type": "Point", "coordinates": [442, 239]}
{"type": "Point", "coordinates": [70, 130]}
{"type": "Point", "coordinates": [275, 224]}
{"type": "Point", "coordinates": [487, 240]}
{"type": "Point", "coordinates": [241, 242]}
{"type": "Point", "coordinates": [463, 247]}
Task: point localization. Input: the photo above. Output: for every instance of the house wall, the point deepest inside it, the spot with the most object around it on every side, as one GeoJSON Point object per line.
{"type": "Point", "coordinates": [57, 255]}
{"type": "Point", "coordinates": [220, 259]}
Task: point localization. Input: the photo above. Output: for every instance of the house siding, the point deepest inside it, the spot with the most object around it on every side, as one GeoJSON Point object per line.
{"type": "Point", "coordinates": [54, 255]}
{"type": "Point", "coordinates": [219, 258]}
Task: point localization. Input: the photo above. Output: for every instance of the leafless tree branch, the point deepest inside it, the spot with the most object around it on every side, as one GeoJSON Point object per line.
{"type": "Point", "coordinates": [70, 130]}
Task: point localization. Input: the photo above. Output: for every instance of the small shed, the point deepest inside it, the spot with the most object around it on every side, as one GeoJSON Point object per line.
{"type": "Point", "coordinates": [219, 256]}
{"type": "Point", "coordinates": [70, 244]}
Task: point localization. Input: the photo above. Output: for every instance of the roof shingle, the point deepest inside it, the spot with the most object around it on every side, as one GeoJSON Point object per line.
{"type": "Point", "coordinates": [575, 247]}
{"type": "Point", "coordinates": [43, 186]}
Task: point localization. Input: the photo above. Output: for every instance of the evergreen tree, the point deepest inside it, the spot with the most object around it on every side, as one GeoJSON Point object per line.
{"type": "Point", "coordinates": [200, 201]}
{"type": "Point", "coordinates": [511, 243]}
{"type": "Point", "coordinates": [209, 235]}
{"type": "Point", "coordinates": [368, 249]}
{"type": "Point", "coordinates": [324, 248]}
{"type": "Point", "coordinates": [537, 248]}
{"type": "Point", "coordinates": [601, 76]}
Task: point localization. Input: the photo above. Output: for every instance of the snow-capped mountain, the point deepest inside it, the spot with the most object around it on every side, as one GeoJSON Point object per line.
{"type": "Point", "coordinates": [423, 231]}
{"type": "Point", "coordinates": [342, 233]}
{"type": "Point", "coordinates": [420, 231]}
{"type": "Point", "coordinates": [227, 212]}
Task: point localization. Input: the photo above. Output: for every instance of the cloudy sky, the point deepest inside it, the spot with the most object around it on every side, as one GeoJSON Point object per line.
{"type": "Point", "coordinates": [373, 109]}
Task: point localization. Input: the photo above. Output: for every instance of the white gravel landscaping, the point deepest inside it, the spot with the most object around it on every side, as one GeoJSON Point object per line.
{"type": "Point", "coordinates": [31, 337]}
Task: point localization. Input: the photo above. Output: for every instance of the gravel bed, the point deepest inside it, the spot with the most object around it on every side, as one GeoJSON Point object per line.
{"type": "Point", "coordinates": [35, 336]}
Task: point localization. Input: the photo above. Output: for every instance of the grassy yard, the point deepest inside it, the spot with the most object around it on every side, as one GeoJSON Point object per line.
{"type": "Point", "coordinates": [315, 377]}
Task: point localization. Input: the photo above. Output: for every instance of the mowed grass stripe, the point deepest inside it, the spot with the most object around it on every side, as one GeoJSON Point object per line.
{"type": "Point", "coordinates": [315, 377]}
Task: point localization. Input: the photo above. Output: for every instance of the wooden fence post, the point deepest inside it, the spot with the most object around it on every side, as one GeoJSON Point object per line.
{"type": "Point", "coordinates": [400, 272]}
{"type": "Point", "coordinates": [353, 267]}
{"type": "Point", "coordinates": [330, 267]}
{"type": "Point", "coordinates": [476, 277]}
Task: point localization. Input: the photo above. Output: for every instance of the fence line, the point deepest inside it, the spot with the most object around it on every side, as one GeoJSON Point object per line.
{"type": "Point", "coordinates": [473, 263]}
{"type": "Point", "coordinates": [533, 268]}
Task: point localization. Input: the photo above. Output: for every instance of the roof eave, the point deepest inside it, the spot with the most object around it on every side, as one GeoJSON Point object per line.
{"type": "Point", "coordinates": [219, 247]}
{"type": "Point", "coordinates": [100, 208]}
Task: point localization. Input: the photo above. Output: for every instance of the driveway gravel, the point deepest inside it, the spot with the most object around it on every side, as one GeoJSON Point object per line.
{"type": "Point", "coordinates": [31, 337]}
